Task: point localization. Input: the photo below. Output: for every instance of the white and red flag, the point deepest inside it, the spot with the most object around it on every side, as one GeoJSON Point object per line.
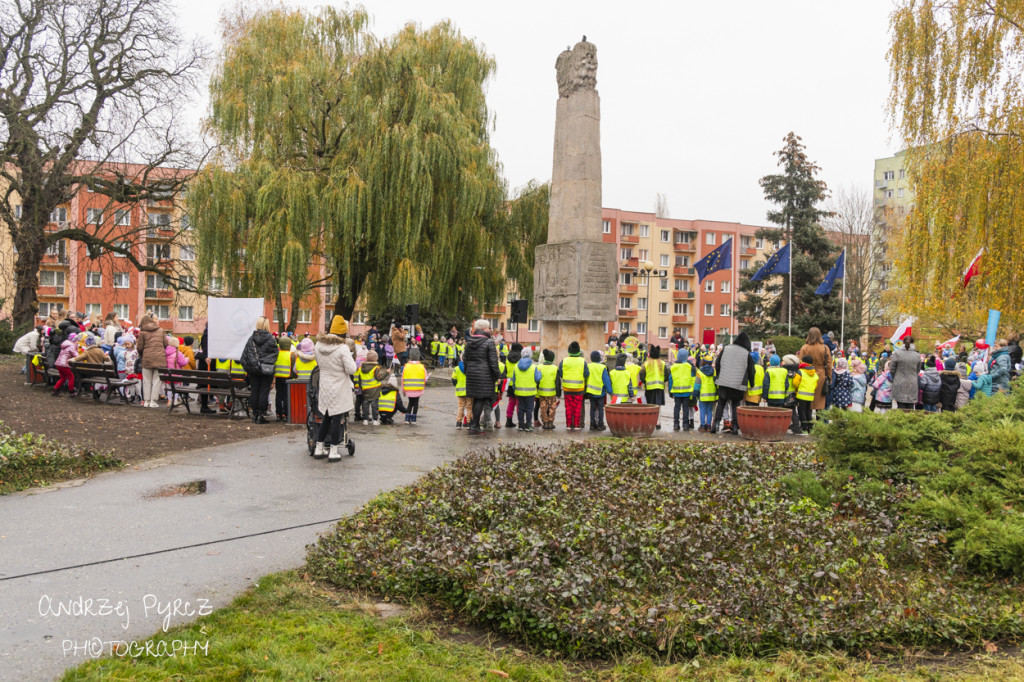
{"type": "Point", "coordinates": [974, 268]}
{"type": "Point", "coordinates": [905, 329]}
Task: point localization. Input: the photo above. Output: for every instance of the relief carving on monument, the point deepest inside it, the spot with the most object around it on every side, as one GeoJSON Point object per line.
{"type": "Point", "coordinates": [576, 69]}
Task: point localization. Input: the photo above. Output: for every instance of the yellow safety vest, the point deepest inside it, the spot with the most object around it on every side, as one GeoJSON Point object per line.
{"type": "Point", "coordinates": [283, 365]}
{"type": "Point", "coordinates": [303, 368]}
{"type": "Point", "coordinates": [414, 377]}
{"type": "Point", "coordinates": [229, 366]}
{"type": "Point", "coordinates": [449, 350]}
{"type": "Point", "coordinates": [595, 381]}
{"type": "Point", "coordinates": [682, 378]}
{"type": "Point", "coordinates": [434, 347]}
{"type": "Point", "coordinates": [460, 382]}
{"type": "Point", "coordinates": [572, 374]}
{"type": "Point", "coordinates": [386, 402]}
{"type": "Point", "coordinates": [708, 388]}
{"type": "Point", "coordinates": [808, 385]}
{"type": "Point", "coordinates": [872, 364]}
{"type": "Point", "coordinates": [510, 369]}
{"type": "Point", "coordinates": [622, 380]}
{"type": "Point", "coordinates": [548, 375]}
{"type": "Point", "coordinates": [654, 375]}
{"type": "Point", "coordinates": [634, 375]}
{"type": "Point", "coordinates": [459, 349]}
{"type": "Point", "coordinates": [526, 382]}
{"type": "Point", "coordinates": [777, 383]}
{"type": "Point", "coordinates": [754, 393]}
{"type": "Point", "coordinates": [367, 380]}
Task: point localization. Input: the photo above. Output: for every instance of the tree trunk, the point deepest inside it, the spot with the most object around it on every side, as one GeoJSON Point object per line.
{"type": "Point", "coordinates": [279, 308]}
{"type": "Point", "coordinates": [293, 314]}
{"type": "Point", "coordinates": [26, 275]}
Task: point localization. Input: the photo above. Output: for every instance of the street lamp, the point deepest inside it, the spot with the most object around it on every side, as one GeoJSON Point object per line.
{"type": "Point", "coordinates": [646, 267]}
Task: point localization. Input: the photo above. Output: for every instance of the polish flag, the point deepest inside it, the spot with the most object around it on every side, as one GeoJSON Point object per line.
{"type": "Point", "coordinates": [974, 268]}
{"type": "Point", "coordinates": [949, 344]}
{"type": "Point", "coordinates": [904, 330]}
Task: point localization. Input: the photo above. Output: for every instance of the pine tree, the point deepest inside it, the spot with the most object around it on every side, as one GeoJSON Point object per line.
{"type": "Point", "coordinates": [796, 192]}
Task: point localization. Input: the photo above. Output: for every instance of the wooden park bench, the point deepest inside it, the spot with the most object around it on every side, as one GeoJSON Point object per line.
{"type": "Point", "coordinates": [37, 376]}
{"type": "Point", "coordinates": [100, 378]}
{"type": "Point", "coordinates": [185, 383]}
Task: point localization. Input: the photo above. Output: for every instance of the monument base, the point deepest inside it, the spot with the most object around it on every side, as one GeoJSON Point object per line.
{"type": "Point", "coordinates": [558, 335]}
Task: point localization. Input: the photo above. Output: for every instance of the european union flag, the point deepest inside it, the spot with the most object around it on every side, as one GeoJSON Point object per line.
{"type": "Point", "coordinates": [830, 279]}
{"type": "Point", "coordinates": [719, 259]}
{"type": "Point", "coordinates": [778, 264]}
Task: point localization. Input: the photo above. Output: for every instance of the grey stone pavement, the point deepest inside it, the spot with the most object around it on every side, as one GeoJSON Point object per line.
{"type": "Point", "coordinates": [253, 486]}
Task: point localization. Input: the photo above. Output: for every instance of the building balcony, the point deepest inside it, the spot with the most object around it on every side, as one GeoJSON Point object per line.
{"type": "Point", "coordinates": [54, 259]}
{"type": "Point", "coordinates": [51, 291]}
{"type": "Point", "coordinates": [683, 271]}
{"type": "Point", "coordinates": [685, 247]}
{"type": "Point", "coordinates": [159, 294]}
{"type": "Point", "coordinates": [629, 263]}
{"type": "Point", "coordinates": [749, 251]}
{"type": "Point", "coordinates": [627, 312]}
{"type": "Point", "coordinates": [682, 319]}
{"type": "Point", "coordinates": [682, 295]}
{"type": "Point", "coordinates": [628, 288]}
{"type": "Point", "coordinates": [629, 238]}
{"type": "Point", "coordinates": [496, 310]}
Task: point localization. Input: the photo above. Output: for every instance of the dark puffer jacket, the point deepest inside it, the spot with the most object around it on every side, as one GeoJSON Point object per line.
{"type": "Point", "coordinates": [260, 353]}
{"type": "Point", "coordinates": [930, 385]}
{"type": "Point", "coordinates": [481, 362]}
{"type": "Point", "coordinates": [949, 389]}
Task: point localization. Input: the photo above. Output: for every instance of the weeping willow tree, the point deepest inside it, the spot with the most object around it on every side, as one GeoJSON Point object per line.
{"type": "Point", "coordinates": [370, 154]}
{"type": "Point", "coordinates": [956, 71]}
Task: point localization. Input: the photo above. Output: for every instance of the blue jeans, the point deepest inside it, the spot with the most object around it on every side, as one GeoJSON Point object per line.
{"type": "Point", "coordinates": [682, 406]}
{"type": "Point", "coordinates": [596, 409]}
{"type": "Point", "coordinates": [931, 408]}
{"type": "Point", "coordinates": [707, 412]}
{"type": "Point", "coordinates": [524, 410]}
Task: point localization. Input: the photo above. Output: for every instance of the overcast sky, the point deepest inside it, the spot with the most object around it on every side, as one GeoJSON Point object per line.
{"type": "Point", "coordinates": [695, 97]}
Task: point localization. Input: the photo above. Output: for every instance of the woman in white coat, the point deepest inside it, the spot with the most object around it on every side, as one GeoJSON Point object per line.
{"type": "Point", "coordinates": [335, 398]}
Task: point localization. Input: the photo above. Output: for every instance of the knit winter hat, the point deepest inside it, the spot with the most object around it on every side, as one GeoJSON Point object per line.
{"type": "Point", "coordinates": [517, 348]}
{"type": "Point", "coordinates": [371, 356]}
{"type": "Point", "coordinates": [595, 356]}
{"type": "Point", "coordinates": [306, 346]}
{"type": "Point", "coordinates": [620, 361]}
{"type": "Point", "coordinates": [574, 348]}
{"type": "Point", "coordinates": [930, 362]}
{"type": "Point", "coordinates": [950, 364]}
{"type": "Point", "coordinates": [980, 368]}
{"type": "Point", "coordinates": [774, 361]}
{"type": "Point", "coordinates": [90, 340]}
{"type": "Point", "coordinates": [549, 355]}
{"type": "Point", "coordinates": [189, 340]}
{"type": "Point", "coordinates": [655, 352]}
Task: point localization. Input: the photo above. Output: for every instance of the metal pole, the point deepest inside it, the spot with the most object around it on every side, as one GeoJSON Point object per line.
{"type": "Point", "coordinates": [842, 321]}
{"type": "Point", "coordinates": [647, 314]}
{"type": "Point", "coordinates": [790, 330]}
{"type": "Point", "coordinates": [733, 327]}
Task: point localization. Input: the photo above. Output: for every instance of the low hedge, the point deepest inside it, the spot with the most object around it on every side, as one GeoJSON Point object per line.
{"type": "Point", "coordinates": [603, 548]}
{"type": "Point", "coordinates": [31, 461]}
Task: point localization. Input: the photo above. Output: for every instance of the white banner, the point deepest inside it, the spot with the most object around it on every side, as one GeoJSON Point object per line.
{"type": "Point", "coordinates": [232, 322]}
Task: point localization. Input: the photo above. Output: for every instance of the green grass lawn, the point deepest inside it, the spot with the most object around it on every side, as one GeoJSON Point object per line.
{"type": "Point", "coordinates": [287, 628]}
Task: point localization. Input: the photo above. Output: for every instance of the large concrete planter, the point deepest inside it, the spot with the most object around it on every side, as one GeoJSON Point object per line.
{"type": "Point", "coordinates": [764, 423]}
{"type": "Point", "coordinates": [632, 421]}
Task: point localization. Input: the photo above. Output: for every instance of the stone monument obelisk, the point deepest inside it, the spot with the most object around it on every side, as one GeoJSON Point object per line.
{"type": "Point", "coordinates": [575, 273]}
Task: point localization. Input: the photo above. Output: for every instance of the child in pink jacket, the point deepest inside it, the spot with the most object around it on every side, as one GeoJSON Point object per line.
{"type": "Point", "coordinates": [175, 360]}
{"type": "Point", "coordinates": [68, 350]}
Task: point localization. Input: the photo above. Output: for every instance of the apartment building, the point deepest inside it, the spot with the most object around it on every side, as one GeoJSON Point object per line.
{"type": "Point", "coordinates": [893, 197]}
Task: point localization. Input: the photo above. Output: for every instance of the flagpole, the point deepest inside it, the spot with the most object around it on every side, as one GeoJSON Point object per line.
{"type": "Point", "coordinates": [790, 330]}
{"type": "Point", "coordinates": [734, 278]}
{"type": "Point", "coordinates": [842, 321]}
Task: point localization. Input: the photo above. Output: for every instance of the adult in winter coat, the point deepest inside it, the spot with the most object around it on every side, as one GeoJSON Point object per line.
{"type": "Point", "coordinates": [398, 342]}
{"type": "Point", "coordinates": [734, 372]}
{"type": "Point", "coordinates": [258, 360]}
{"type": "Point", "coordinates": [335, 399]}
{"type": "Point", "coordinates": [821, 358]}
{"type": "Point", "coordinates": [906, 363]}
{"type": "Point", "coordinates": [1016, 354]}
{"type": "Point", "coordinates": [151, 342]}
{"type": "Point", "coordinates": [480, 360]}
{"type": "Point", "coordinates": [999, 367]}
{"type": "Point", "coordinates": [949, 389]}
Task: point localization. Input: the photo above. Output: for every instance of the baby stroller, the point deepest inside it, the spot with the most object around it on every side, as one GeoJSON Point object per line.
{"type": "Point", "coordinates": [314, 417]}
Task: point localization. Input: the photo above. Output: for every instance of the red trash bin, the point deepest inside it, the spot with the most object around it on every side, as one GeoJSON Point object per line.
{"type": "Point", "coordinates": [297, 400]}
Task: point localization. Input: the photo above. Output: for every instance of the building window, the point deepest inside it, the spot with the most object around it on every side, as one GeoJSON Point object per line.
{"type": "Point", "coordinates": [94, 216]}
{"type": "Point", "coordinates": [625, 278]}
{"type": "Point", "coordinates": [641, 327]}
{"type": "Point", "coordinates": [899, 193]}
{"type": "Point", "coordinates": [744, 264]}
{"type": "Point", "coordinates": [359, 317]}
{"type": "Point", "coordinates": [533, 325]}
{"type": "Point", "coordinates": [641, 304]}
{"type": "Point", "coordinates": [664, 260]}
{"type": "Point", "coordinates": [663, 308]}
{"type": "Point", "coordinates": [626, 253]}
{"type": "Point", "coordinates": [683, 261]}
{"type": "Point", "coordinates": [888, 194]}
{"type": "Point", "coordinates": [725, 310]}
{"type": "Point", "coordinates": [681, 285]}
{"type": "Point", "coordinates": [216, 284]}
{"type": "Point", "coordinates": [606, 227]}
{"type": "Point", "coordinates": [709, 237]}
{"type": "Point", "coordinates": [59, 215]}
{"type": "Point", "coordinates": [903, 173]}
{"type": "Point", "coordinates": [276, 319]}
{"type": "Point", "coordinates": [121, 280]}
{"type": "Point", "coordinates": [121, 310]}
{"type": "Point", "coordinates": [745, 242]}
{"type": "Point", "coordinates": [665, 236]}
{"type": "Point", "coordinates": [709, 286]}
{"type": "Point", "coordinates": [161, 220]}
{"type": "Point", "coordinates": [161, 312]}
{"type": "Point", "coordinates": [59, 249]}
{"type": "Point", "coordinates": [305, 315]}
{"type": "Point", "coordinates": [709, 309]}
{"type": "Point", "coordinates": [188, 281]}
{"type": "Point", "coordinates": [677, 308]}
{"type": "Point", "coordinates": [626, 229]}
{"type": "Point", "coordinates": [759, 243]}
{"type": "Point", "coordinates": [46, 308]}
{"type": "Point", "coordinates": [93, 279]}
{"type": "Point", "coordinates": [512, 326]}
{"type": "Point", "coordinates": [187, 253]}
{"type": "Point", "coordinates": [157, 252]}
{"type": "Point", "coordinates": [663, 284]}
{"type": "Point", "coordinates": [124, 246]}
{"type": "Point", "coordinates": [624, 302]}
{"type": "Point", "coordinates": [93, 309]}
{"type": "Point", "coordinates": [185, 313]}
{"type": "Point", "coordinates": [662, 332]}
{"type": "Point", "coordinates": [623, 327]}
{"type": "Point", "coordinates": [156, 282]}
{"type": "Point", "coordinates": [122, 217]}
{"type": "Point", "coordinates": [52, 278]}
{"type": "Point", "coordinates": [186, 222]}
{"type": "Point", "coordinates": [644, 254]}
{"type": "Point", "coordinates": [645, 230]}
{"type": "Point", "coordinates": [726, 286]}
{"type": "Point", "coordinates": [776, 244]}
{"type": "Point", "coordinates": [889, 175]}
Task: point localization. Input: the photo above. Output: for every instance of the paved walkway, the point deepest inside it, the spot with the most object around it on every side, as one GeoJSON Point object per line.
{"type": "Point", "coordinates": [252, 486]}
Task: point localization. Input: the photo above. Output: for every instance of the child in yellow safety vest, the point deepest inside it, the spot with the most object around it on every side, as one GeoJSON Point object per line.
{"type": "Point", "coordinates": [681, 380]}
{"type": "Point", "coordinates": [806, 383]}
{"type": "Point", "coordinates": [368, 379]}
{"type": "Point", "coordinates": [652, 376]}
{"type": "Point", "coordinates": [622, 382]}
{"type": "Point", "coordinates": [549, 388]}
{"type": "Point", "coordinates": [465, 404]}
{"type": "Point", "coordinates": [707, 389]}
{"type": "Point", "coordinates": [525, 378]}
{"type": "Point", "coordinates": [435, 351]}
{"type": "Point", "coordinates": [414, 381]}
{"type": "Point", "coordinates": [282, 373]}
{"type": "Point", "coordinates": [390, 400]}
{"type": "Point", "coordinates": [754, 393]}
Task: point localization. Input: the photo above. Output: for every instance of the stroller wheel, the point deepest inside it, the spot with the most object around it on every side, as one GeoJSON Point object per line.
{"type": "Point", "coordinates": [351, 447]}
